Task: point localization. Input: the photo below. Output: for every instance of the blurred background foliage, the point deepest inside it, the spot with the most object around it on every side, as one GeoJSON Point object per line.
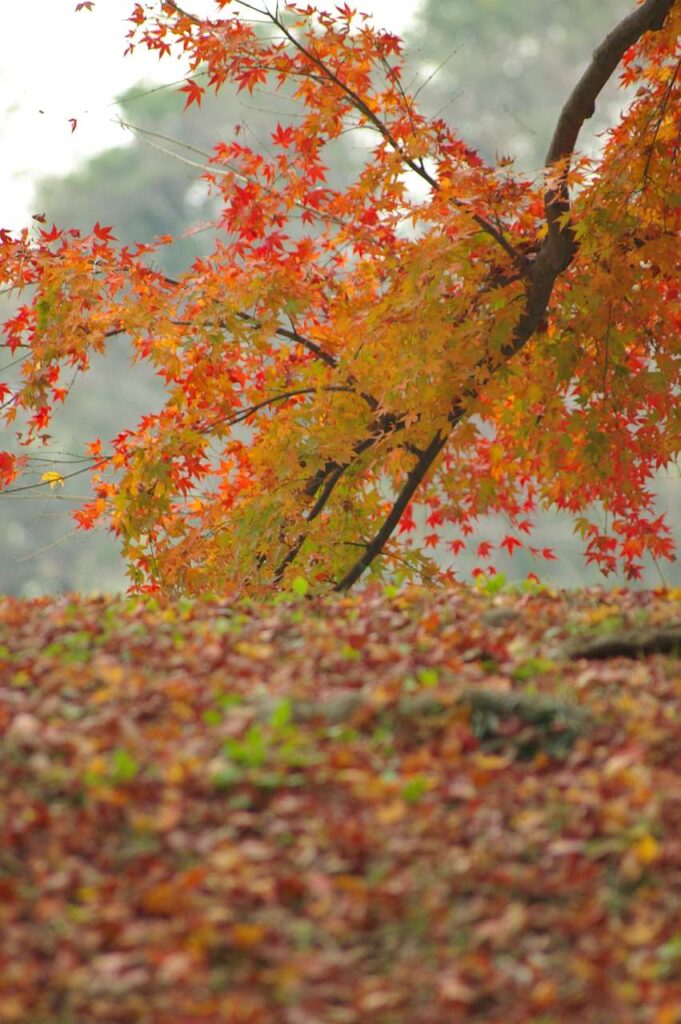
{"type": "Point", "coordinates": [501, 71]}
{"type": "Point", "coordinates": [497, 71]}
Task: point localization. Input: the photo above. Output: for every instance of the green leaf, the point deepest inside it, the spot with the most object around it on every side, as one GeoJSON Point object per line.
{"type": "Point", "coordinates": [300, 586]}
{"type": "Point", "coordinates": [212, 717]}
{"type": "Point", "coordinates": [415, 788]}
{"type": "Point", "coordinates": [281, 716]}
{"type": "Point", "coordinates": [428, 676]}
{"type": "Point", "coordinates": [124, 767]}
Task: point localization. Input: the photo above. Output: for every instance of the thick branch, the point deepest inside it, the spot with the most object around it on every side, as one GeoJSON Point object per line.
{"type": "Point", "coordinates": [581, 103]}
{"type": "Point", "coordinates": [413, 482]}
{"type": "Point", "coordinates": [326, 478]}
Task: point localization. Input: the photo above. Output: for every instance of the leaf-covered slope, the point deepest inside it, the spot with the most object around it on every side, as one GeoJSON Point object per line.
{"type": "Point", "coordinates": [374, 809]}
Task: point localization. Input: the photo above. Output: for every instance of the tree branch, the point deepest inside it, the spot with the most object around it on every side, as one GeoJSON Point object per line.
{"type": "Point", "coordinates": [209, 166]}
{"type": "Point", "coordinates": [290, 335]}
{"type": "Point", "coordinates": [417, 166]}
{"type": "Point", "coordinates": [244, 414]}
{"type": "Point", "coordinates": [412, 483]}
{"type": "Point", "coordinates": [581, 103]}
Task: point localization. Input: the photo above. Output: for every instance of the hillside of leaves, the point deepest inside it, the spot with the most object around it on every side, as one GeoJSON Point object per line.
{"type": "Point", "coordinates": [397, 807]}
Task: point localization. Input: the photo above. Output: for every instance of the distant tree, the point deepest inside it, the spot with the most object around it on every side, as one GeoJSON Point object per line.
{"type": "Point", "coordinates": [151, 186]}
{"type": "Point", "coordinates": [495, 344]}
{"type": "Point", "coordinates": [499, 71]}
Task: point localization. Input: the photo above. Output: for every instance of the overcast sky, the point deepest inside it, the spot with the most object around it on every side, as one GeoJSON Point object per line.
{"type": "Point", "coordinates": [58, 64]}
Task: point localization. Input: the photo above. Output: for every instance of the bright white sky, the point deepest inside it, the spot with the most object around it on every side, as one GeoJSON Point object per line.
{"type": "Point", "coordinates": [58, 64]}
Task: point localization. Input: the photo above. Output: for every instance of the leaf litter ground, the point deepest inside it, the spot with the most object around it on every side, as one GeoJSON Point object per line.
{"type": "Point", "coordinates": [418, 807]}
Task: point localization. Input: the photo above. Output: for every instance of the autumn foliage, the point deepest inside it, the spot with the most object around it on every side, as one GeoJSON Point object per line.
{"type": "Point", "coordinates": [366, 809]}
{"type": "Point", "coordinates": [439, 332]}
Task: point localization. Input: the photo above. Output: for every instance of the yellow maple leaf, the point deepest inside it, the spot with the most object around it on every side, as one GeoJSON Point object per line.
{"type": "Point", "coordinates": [647, 849]}
{"type": "Point", "coordinates": [52, 477]}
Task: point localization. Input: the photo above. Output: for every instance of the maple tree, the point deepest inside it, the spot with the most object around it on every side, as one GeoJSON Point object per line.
{"type": "Point", "coordinates": [485, 343]}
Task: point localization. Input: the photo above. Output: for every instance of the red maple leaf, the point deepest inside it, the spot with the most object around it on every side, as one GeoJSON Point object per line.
{"type": "Point", "coordinates": [283, 136]}
{"type": "Point", "coordinates": [8, 467]}
{"type": "Point", "coordinates": [510, 543]}
{"type": "Point", "coordinates": [194, 93]}
{"type": "Point", "coordinates": [52, 235]}
{"type": "Point", "coordinates": [103, 232]}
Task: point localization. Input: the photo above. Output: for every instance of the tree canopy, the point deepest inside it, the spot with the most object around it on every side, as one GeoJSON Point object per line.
{"type": "Point", "coordinates": [440, 330]}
